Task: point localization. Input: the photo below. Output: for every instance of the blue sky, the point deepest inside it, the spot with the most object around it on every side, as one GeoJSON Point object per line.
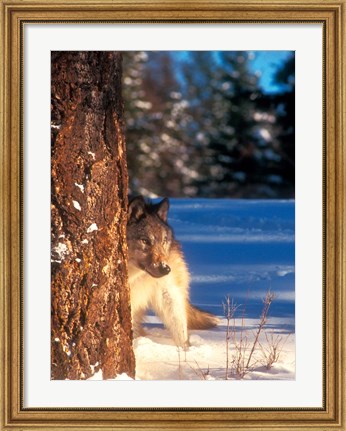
{"type": "Point", "coordinates": [264, 62]}
{"type": "Point", "coordinates": [267, 62]}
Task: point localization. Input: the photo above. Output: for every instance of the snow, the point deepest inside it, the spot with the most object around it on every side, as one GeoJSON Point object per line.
{"type": "Point", "coordinates": [77, 205]}
{"type": "Point", "coordinates": [60, 251]}
{"type": "Point", "coordinates": [56, 126]}
{"type": "Point", "coordinates": [80, 186]}
{"type": "Point", "coordinates": [92, 227]}
{"type": "Point", "coordinates": [157, 358]}
{"type": "Point", "coordinates": [98, 376]}
{"type": "Point", "coordinates": [143, 105]}
{"type": "Point", "coordinates": [265, 134]}
{"type": "Point", "coordinates": [240, 249]}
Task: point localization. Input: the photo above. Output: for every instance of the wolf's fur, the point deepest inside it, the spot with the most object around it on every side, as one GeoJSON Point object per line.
{"type": "Point", "coordinates": [158, 275]}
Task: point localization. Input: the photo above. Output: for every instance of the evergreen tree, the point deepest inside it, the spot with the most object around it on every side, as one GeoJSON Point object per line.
{"type": "Point", "coordinates": [139, 130]}
{"type": "Point", "coordinates": [201, 71]}
{"type": "Point", "coordinates": [234, 147]}
{"type": "Point", "coordinates": [159, 150]}
{"type": "Point", "coordinates": [208, 129]}
{"type": "Point", "coordinates": [285, 108]}
{"type": "Point", "coordinates": [238, 129]}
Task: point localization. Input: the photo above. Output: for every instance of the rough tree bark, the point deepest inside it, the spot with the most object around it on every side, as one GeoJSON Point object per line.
{"type": "Point", "coordinates": [91, 319]}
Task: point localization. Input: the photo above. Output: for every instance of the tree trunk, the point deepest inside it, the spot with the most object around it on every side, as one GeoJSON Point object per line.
{"type": "Point", "coordinates": [91, 318]}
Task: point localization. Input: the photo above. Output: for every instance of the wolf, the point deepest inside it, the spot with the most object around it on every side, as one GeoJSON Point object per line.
{"type": "Point", "coordinates": [158, 275]}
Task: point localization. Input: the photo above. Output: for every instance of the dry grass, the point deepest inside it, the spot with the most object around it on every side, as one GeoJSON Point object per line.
{"type": "Point", "coordinates": [229, 309]}
{"type": "Point", "coordinates": [240, 351]}
{"type": "Point", "coordinates": [242, 360]}
{"type": "Point", "coordinates": [203, 375]}
{"type": "Point", "coordinates": [263, 320]}
{"type": "Point", "coordinates": [272, 350]}
{"type": "Point", "coordinates": [241, 346]}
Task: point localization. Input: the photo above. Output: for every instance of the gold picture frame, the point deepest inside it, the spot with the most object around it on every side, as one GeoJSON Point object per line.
{"type": "Point", "coordinates": [14, 13]}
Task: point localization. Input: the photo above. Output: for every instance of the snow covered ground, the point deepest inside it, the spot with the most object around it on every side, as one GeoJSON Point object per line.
{"type": "Point", "coordinates": [240, 249]}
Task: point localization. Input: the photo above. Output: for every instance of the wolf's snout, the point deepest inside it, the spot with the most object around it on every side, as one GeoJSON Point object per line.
{"type": "Point", "coordinates": [164, 268]}
{"type": "Point", "coordinates": [158, 269]}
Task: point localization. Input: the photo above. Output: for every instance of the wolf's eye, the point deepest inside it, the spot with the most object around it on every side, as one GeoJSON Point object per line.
{"type": "Point", "coordinates": [145, 241]}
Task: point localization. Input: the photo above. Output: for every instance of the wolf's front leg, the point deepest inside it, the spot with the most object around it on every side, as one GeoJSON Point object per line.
{"type": "Point", "coordinates": [137, 328]}
{"type": "Point", "coordinates": [171, 308]}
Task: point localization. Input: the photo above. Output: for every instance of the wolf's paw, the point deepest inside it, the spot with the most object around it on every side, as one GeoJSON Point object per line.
{"type": "Point", "coordinates": [186, 345]}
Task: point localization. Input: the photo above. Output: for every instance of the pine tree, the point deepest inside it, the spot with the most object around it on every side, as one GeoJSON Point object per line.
{"type": "Point", "coordinates": [235, 146]}
{"type": "Point", "coordinates": [238, 130]}
{"type": "Point", "coordinates": [139, 129]}
{"type": "Point", "coordinates": [159, 150]}
{"type": "Point", "coordinates": [208, 129]}
{"type": "Point", "coordinates": [201, 71]}
{"type": "Point", "coordinates": [285, 108]}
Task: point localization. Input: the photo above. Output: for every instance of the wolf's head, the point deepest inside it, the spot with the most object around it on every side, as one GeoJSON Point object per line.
{"type": "Point", "coordinates": [149, 238]}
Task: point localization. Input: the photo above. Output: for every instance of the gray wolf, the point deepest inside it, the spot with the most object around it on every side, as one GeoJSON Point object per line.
{"type": "Point", "coordinates": [158, 274]}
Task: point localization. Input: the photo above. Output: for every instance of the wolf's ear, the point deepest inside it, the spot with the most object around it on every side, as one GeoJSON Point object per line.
{"type": "Point", "coordinates": [136, 208]}
{"type": "Point", "coordinates": [162, 209]}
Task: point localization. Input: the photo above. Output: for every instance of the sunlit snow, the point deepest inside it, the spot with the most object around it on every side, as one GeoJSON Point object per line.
{"type": "Point", "coordinates": [240, 249]}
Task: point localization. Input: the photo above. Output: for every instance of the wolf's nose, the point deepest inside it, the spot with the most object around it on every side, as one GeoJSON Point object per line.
{"type": "Point", "coordinates": [164, 268]}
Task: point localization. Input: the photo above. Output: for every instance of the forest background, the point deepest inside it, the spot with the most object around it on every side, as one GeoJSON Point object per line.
{"type": "Point", "coordinates": [210, 124]}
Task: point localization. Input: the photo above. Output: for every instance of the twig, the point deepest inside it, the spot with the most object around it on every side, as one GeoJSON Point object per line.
{"type": "Point", "coordinates": [179, 365]}
{"type": "Point", "coordinates": [272, 352]}
{"type": "Point", "coordinates": [201, 373]}
{"type": "Point", "coordinates": [229, 309]}
{"type": "Point", "coordinates": [266, 305]}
